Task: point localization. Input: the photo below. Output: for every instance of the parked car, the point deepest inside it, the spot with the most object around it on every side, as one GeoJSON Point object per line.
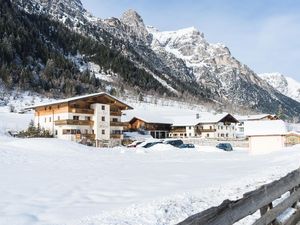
{"type": "Point", "coordinates": [174, 142]}
{"type": "Point", "coordinates": [186, 146]}
{"type": "Point", "coordinates": [150, 144]}
{"type": "Point", "coordinates": [134, 144]}
{"type": "Point", "coordinates": [225, 146]}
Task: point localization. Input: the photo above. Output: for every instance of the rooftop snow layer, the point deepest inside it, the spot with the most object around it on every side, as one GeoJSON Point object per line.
{"type": "Point", "coordinates": [266, 127]}
{"type": "Point", "coordinates": [77, 98]}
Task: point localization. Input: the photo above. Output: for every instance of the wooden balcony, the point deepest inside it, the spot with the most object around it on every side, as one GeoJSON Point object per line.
{"type": "Point", "coordinates": [82, 111]}
{"type": "Point", "coordinates": [115, 113]}
{"type": "Point", "coordinates": [116, 136]}
{"type": "Point", "coordinates": [74, 122]}
{"type": "Point", "coordinates": [117, 124]}
{"type": "Point", "coordinates": [178, 130]}
{"type": "Point", "coordinates": [200, 130]}
{"type": "Point", "coordinates": [87, 136]}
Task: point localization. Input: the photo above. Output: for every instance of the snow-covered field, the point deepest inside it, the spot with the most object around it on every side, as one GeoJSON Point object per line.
{"type": "Point", "coordinates": [54, 182]}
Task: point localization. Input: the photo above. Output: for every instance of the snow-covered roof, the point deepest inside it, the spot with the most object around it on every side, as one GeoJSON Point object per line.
{"type": "Point", "coordinates": [203, 118]}
{"type": "Point", "coordinates": [265, 128]}
{"type": "Point", "coordinates": [152, 118]}
{"type": "Point", "coordinates": [182, 121]}
{"type": "Point", "coordinates": [212, 118]}
{"type": "Point", "coordinates": [252, 117]}
{"type": "Point", "coordinates": [77, 98]}
{"type": "Point", "coordinates": [293, 133]}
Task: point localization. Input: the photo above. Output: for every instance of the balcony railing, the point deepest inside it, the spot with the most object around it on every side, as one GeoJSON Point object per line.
{"type": "Point", "coordinates": [116, 136]}
{"type": "Point", "coordinates": [178, 130]}
{"type": "Point", "coordinates": [74, 122]}
{"type": "Point", "coordinates": [82, 111]}
{"type": "Point", "coordinates": [199, 130]}
{"type": "Point", "coordinates": [87, 136]}
{"type": "Point", "coordinates": [117, 124]}
{"type": "Point", "coordinates": [115, 113]}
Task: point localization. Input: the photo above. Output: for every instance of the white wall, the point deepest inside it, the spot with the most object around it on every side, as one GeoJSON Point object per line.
{"type": "Point", "coordinates": [265, 144]}
{"type": "Point", "coordinates": [190, 131]}
{"type": "Point", "coordinates": [99, 125]}
{"type": "Point", "coordinates": [45, 122]}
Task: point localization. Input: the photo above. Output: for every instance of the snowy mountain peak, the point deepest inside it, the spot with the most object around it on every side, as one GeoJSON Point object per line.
{"type": "Point", "coordinates": [132, 18]}
{"type": "Point", "coordinates": [285, 85]}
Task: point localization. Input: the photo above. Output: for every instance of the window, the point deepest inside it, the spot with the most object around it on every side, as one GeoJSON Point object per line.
{"type": "Point", "coordinates": [56, 132]}
{"type": "Point", "coordinates": [190, 134]}
{"type": "Point", "coordinates": [210, 127]}
{"type": "Point", "coordinates": [49, 119]}
{"type": "Point", "coordinates": [66, 131]}
{"type": "Point", "coordinates": [103, 118]}
{"type": "Point", "coordinates": [190, 128]}
{"type": "Point", "coordinates": [87, 118]}
{"type": "Point", "coordinates": [119, 132]}
{"type": "Point", "coordinates": [226, 135]}
{"type": "Point", "coordinates": [45, 120]}
{"type": "Point", "coordinates": [115, 119]}
{"type": "Point", "coordinates": [58, 117]}
{"type": "Point", "coordinates": [207, 135]}
{"type": "Point", "coordinates": [103, 131]}
{"type": "Point", "coordinates": [103, 107]}
{"type": "Point", "coordinates": [221, 127]}
{"type": "Point", "coordinates": [75, 117]}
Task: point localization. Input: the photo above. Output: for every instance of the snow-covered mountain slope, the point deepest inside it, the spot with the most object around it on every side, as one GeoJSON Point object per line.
{"type": "Point", "coordinates": [182, 62]}
{"type": "Point", "coordinates": [285, 85]}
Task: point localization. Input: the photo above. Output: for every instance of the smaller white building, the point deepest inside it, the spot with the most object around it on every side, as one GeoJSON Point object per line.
{"type": "Point", "coordinates": [240, 128]}
{"type": "Point", "coordinates": [220, 126]}
{"type": "Point", "coordinates": [265, 136]}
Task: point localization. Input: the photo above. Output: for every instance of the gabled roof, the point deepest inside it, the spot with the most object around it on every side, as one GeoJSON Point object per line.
{"type": "Point", "coordinates": [217, 118]}
{"type": "Point", "coordinates": [151, 119]}
{"type": "Point", "coordinates": [265, 128]}
{"type": "Point", "coordinates": [78, 98]}
{"type": "Point", "coordinates": [253, 117]}
{"type": "Point", "coordinates": [184, 121]}
{"type": "Point", "coordinates": [204, 118]}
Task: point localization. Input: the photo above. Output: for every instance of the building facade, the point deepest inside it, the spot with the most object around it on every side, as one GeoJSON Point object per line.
{"type": "Point", "coordinates": [265, 136]}
{"type": "Point", "coordinates": [94, 118]}
{"type": "Point", "coordinates": [240, 128]}
{"type": "Point", "coordinates": [292, 138]}
{"type": "Point", "coordinates": [157, 129]}
{"type": "Point", "coordinates": [215, 127]}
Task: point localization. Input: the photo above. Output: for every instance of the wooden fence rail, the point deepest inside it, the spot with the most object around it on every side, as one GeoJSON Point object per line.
{"type": "Point", "coordinates": [230, 212]}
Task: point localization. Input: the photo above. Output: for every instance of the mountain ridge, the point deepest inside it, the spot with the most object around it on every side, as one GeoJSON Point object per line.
{"type": "Point", "coordinates": [284, 84]}
{"type": "Point", "coordinates": [182, 62]}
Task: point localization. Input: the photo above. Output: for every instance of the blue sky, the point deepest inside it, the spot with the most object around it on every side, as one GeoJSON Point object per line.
{"type": "Point", "coordinates": [263, 34]}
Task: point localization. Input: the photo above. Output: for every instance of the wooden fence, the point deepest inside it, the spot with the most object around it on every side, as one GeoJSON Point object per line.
{"type": "Point", "coordinates": [230, 212]}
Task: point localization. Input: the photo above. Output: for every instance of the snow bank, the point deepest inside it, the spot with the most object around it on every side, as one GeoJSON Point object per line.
{"type": "Point", "coordinates": [50, 181]}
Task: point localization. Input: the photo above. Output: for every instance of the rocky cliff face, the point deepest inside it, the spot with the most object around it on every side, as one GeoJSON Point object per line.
{"type": "Point", "coordinates": [285, 85]}
{"type": "Point", "coordinates": [183, 61]}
